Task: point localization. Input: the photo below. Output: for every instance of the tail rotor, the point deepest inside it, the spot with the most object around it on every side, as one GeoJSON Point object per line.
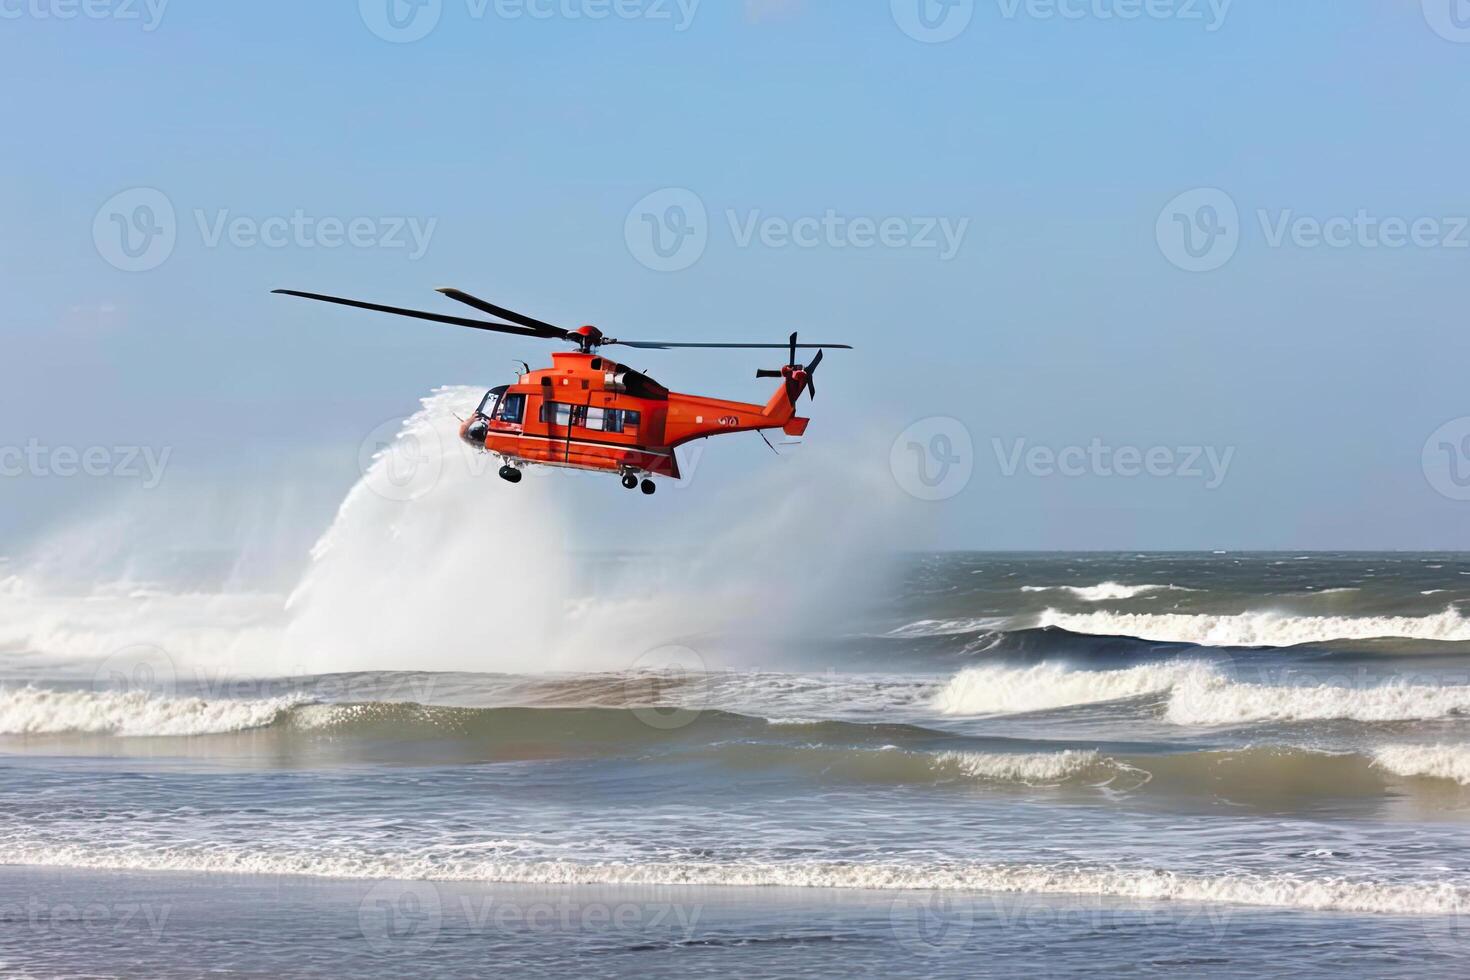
{"type": "Point", "coordinates": [797, 375]}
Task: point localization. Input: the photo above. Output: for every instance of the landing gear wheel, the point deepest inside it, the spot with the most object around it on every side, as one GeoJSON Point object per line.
{"type": "Point", "coordinates": [630, 482]}
{"type": "Point", "coordinates": [510, 474]}
{"type": "Point", "coordinates": [649, 488]}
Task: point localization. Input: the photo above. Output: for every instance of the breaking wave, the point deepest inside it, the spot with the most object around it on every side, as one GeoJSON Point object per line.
{"type": "Point", "coordinates": [30, 711]}
{"type": "Point", "coordinates": [1430, 761]}
{"type": "Point", "coordinates": [1198, 693]}
{"type": "Point", "coordinates": [1210, 698]}
{"type": "Point", "coordinates": [1261, 629]}
{"type": "Point", "coordinates": [1032, 768]}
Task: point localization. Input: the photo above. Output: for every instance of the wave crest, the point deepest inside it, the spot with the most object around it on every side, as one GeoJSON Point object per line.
{"type": "Point", "coordinates": [996, 689]}
{"type": "Point", "coordinates": [1261, 629]}
{"type": "Point", "coordinates": [1432, 761]}
{"type": "Point", "coordinates": [1105, 591]}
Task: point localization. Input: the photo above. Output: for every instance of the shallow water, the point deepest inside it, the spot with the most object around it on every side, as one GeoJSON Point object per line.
{"type": "Point", "coordinates": [1220, 759]}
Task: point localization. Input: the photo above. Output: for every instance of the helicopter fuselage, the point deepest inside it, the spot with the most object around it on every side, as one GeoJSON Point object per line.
{"type": "Point", "coordinates": [588, 412]}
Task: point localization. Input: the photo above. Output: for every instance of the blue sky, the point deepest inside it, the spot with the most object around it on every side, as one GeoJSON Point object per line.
{"type": "Point", "coordinates": [518, 145]}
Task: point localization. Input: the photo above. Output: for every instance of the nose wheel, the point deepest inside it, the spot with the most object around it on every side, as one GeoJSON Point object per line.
{"type": "Point", "coordinates": [510, 474]}
{"type": "Point", "coordinates": [649, 488]}
{"type": "Point", "coordinates": [630, 482]}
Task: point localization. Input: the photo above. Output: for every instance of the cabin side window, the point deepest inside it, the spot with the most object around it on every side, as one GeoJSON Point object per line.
{"type": "Point", "coordinates": [560, 413]}
{"type": "Point", "coordinates": [591, 417]}
{"type": "Point", "coordinates": [619, 420]}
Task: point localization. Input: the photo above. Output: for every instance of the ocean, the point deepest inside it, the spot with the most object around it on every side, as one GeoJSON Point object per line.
{"type": "Point", "coordinates": [989, 764]}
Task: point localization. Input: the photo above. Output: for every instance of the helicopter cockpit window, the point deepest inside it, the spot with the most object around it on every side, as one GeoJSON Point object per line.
{"type": "Point", "coordinates": [512, 409]}
{"type": "Point", "coordinates": [492, 400]}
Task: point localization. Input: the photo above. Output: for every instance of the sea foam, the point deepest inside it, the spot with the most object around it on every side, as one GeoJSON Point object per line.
{"type": "Point", "coordinates": [1144, 884]}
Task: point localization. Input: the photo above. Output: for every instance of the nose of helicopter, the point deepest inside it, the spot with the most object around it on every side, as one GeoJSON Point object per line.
{"type": "Point", "coordinates": [474, 432]}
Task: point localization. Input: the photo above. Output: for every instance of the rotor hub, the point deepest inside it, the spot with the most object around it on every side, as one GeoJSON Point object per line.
{"type": "Point", "coordinates": [587, 338]}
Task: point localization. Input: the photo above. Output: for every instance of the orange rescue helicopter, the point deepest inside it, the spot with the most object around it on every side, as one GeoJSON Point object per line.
{"type": "Point", "coordinates": [587, 412]}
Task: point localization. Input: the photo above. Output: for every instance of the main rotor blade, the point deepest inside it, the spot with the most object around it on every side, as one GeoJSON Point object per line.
{"type": "Point", "coordinates": [531, 323]}
{"type": "Point", "coordinates": [668, 345]}
{"type": "Point", "coordinates": [416, 314]}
